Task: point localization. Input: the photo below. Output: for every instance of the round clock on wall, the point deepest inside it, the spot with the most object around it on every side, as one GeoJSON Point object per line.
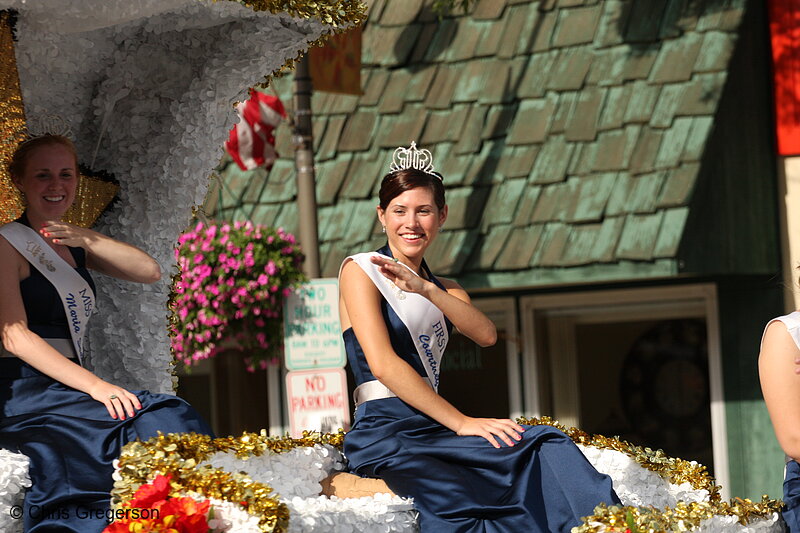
{"type": "Point", "coordinates": [665, 388]}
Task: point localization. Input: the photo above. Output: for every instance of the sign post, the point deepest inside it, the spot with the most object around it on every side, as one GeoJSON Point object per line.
{"type": "Point", "coordinates": [316, 385]}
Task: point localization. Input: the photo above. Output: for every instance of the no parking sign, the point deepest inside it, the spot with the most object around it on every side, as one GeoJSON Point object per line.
{"type": "Point", "coordinates": [317, 400]}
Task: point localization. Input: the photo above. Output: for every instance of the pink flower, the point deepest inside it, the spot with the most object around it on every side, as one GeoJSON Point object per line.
{"type": "Point", "coordinates": [270, 268]}
{"type": "Point", "coordinates": [262, 279]}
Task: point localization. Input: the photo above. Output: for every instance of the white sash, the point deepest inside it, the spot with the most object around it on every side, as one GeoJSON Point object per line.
{"type": "Point", "coordinates": [76, 294]}
{"type": "Point", "coordinates": [424, 320]}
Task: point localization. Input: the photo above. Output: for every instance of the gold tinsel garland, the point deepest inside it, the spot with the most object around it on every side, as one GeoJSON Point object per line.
{"type": "Point", "coordinates": [12, 119]}
{"type": "Point", "coordinates": [672, 469]}
{"type": "Point", "coordinates": [685, 516]}
{"type": "Point", "coordinates": [179, 454]}
{"type": "Point", "coordinates": [335, 13]}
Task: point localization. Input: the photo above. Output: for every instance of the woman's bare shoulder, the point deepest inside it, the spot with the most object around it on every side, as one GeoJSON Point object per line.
{"type": "Point", "coordinates": [8, 254]}
{"type": "Point", "coordinates": [448, 283]}
{"type": "Point", "coordinates": [778, 340]}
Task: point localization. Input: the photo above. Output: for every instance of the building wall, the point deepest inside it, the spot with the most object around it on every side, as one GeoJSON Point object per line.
{"type": "Point", "coordinates": [733, 236]}
{"type": "Point", "coordinates": [733, 224]}
{"type": "Point", "coordinates": [755, 459]}
{"type": "Point", "coordinates": [789, 206]}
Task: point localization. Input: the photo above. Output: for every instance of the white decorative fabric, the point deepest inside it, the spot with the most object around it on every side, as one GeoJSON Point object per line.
{"type": "Point", "coordinates": [148, 87]}
{"type": "Point", "coordinates": [14, 480]}
{"type": "Point", "coordinates": [296, 475]}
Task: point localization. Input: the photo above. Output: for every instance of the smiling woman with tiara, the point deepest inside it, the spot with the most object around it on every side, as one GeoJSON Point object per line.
{"type": "Point", "coordinates": [70, 423]}
{"type": "Point", "coordinates": [465, 474]}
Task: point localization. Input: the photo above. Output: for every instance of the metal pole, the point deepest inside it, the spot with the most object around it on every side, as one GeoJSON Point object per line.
{"type": "Point", "coordinates": [304, 164]}
{"type": "Point", "coordinates": [307, 220]}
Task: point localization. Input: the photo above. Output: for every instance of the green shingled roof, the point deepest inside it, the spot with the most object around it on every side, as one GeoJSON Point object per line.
{"type": "Point", "coordinates": [570, 134]}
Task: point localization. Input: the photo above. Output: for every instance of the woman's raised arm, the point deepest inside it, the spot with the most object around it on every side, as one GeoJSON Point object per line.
{"type": "Point", "coordinates": [104, 254]}
{"type": "Point", "coordinates": [362, 305]}
{"type": "Point", "coordinates": [780, 385]}
{"type": "Point", "coordinates": [454, 302]}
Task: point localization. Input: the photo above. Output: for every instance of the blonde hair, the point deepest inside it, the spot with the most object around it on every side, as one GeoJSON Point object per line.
{"type": "Point", "coordinates": [16, 166]}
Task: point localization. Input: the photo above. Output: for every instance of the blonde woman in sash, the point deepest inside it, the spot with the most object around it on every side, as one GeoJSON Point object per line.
{"type": "Point", "coordinates": [465, 474]}
{"type": "Point", "coordinates": [70, 423]}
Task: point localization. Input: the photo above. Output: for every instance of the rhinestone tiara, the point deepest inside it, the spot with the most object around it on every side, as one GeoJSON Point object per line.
{"type": "Point", "coordinates": [48, 125]}
{"type": "Point", "coordinates": [412, 157]}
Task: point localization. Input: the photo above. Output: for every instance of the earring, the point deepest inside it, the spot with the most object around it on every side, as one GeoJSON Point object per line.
{"type": "Point", "coordinates": [384, 229]}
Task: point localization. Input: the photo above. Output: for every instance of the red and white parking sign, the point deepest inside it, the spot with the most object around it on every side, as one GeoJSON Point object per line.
{"type": "Point", "coordinates": [317, 400]}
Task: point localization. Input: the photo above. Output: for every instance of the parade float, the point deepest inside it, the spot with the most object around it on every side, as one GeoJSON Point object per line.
{"type": "Point", "coordinates": [256, 483]}
{"type": "Point", "coordinates": [146, 89]}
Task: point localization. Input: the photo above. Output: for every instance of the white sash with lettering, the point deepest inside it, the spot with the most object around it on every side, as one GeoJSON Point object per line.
{"type": "Point", "coordinates": [75, 292]}
{"type": "Point", "coordinates": [424, 320]}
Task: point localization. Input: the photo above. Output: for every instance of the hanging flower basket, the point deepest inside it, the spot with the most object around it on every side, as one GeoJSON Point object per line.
{"type": "Point", "coordinates": [229, 291]}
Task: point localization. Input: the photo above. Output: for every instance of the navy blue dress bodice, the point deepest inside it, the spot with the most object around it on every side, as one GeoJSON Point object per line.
{"type": "Point", "coordinates": [43, 307]}
{"type": "Point", "coordinates": [462, 484]}
{"type": "Point", "coordinates": [403, 345]}
{"type": "Point", "coordinates": [70, 438]}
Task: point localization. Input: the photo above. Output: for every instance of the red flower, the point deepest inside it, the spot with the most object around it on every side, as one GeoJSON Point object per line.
{"type": "Point", "coordinates": [165, 514]}
{"type": "Point", "coordinates": [149, 494]}
{"type": "Point", "coordinates": [190, 516]}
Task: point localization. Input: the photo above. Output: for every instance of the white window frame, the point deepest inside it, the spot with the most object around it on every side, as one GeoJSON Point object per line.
{"type": "Point", "coordinates": [619, 304]}
{"type": "Point", "coordinates": [506, 306]}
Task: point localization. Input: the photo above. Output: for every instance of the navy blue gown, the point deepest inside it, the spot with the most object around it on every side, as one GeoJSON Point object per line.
{"type": "Point", "coordinates": [70, 438]}
{"type": "Point", "coordinates": [463, 484]}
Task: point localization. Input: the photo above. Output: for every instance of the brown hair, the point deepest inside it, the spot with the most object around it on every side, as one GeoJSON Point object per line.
{"type": "Point", "coordinates": [396, 183]}
{"type": "Point", "coordinates": [16, 167]}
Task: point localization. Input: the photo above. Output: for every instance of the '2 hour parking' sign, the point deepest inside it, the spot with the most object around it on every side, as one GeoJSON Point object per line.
{"type": "Point", "coordinates": [312, 331]}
